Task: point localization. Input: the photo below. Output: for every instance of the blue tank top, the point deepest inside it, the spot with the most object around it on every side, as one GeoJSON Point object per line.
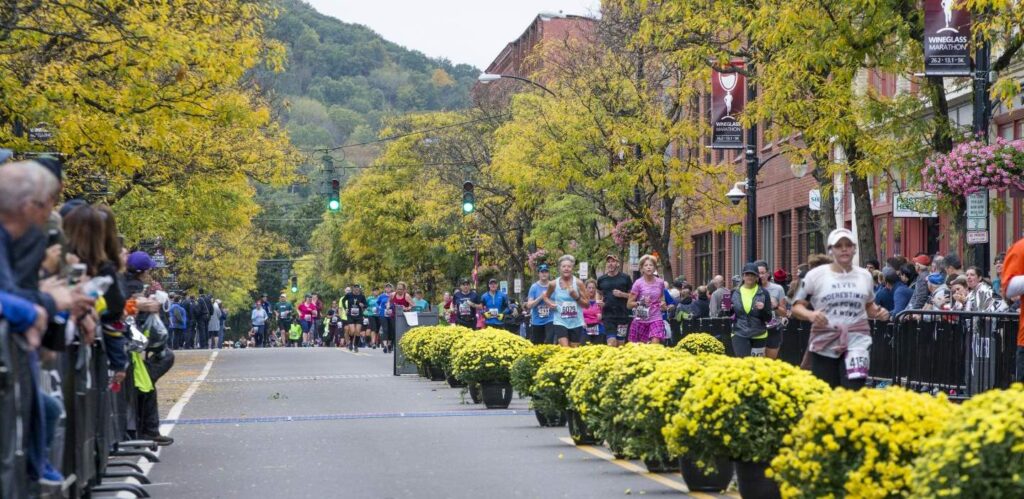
{"type": "Point", "coordinates": [567, 311]}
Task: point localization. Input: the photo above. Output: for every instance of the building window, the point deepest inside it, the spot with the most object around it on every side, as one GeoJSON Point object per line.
{"type": "Point", "coordinates": [786, 241]}
{"type": "Point", "coordinates": [809, 240]}
{"type": "Point", "coordinates": [719, 253]}
{"type": "Point", "coordinates": [766, 229]}
{"type": "Point", "coordinates": [702, 257]}
{"type": "Point", "coordinates": [736, 234]}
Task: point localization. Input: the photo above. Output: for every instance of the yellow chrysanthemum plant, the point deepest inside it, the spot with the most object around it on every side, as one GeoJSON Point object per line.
{"type": "Point", "coordinates": [978, 453]}
{"type": "Point", "coordinates": [698, 343]}
{"type": "Point", "coordinates": [436, 349]}
{"type": "Point", "coordinates": [553, 379]}
{"type": "Point", "coordinates": [741, 409]}
{"type": "Point", "coordinates": [597, 391]}
{"type": "Point", "coordinates": [649, 402]}
{"type": "Point", "coordinates": [412, 343]}
{"type": "Point", "coordinates": [858, 444]}
{"type": "Point", "coordinates": [487, 356]}
{"type": "Point", "coordinates": [526, 366]}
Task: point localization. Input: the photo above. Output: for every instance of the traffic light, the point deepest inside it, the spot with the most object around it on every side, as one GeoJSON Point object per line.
{"type": "Point", "coordinates": [295, 284]}
{"type": "Point", "coordinates": [468, 199]}
{"type": "Point", "coordinates": [334, 201]}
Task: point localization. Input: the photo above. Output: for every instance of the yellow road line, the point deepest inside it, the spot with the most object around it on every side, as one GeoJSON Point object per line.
{"type": "Point", "coordinates": [624, 464]}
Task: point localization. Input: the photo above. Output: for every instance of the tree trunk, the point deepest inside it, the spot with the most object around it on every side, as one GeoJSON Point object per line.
{"type": "Point", "coordinates": [826, 213]}
{"type": "Point", "coordinates": [863, 215]}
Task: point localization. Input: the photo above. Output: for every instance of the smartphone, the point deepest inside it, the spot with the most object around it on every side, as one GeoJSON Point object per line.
{"type": "Point", "coordinates": [76, 274]}
{"type": "Point", "coordinates": [52, 237]}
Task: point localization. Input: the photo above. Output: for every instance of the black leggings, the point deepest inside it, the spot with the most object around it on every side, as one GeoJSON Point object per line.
{"type": "Point", "coordinates": [833, 372]}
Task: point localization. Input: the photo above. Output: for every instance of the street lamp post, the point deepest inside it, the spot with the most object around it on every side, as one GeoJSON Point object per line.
{"type": "Point", "coordinates": [737, 194]}
{"type": "Point", "coordinates": [486, 78]}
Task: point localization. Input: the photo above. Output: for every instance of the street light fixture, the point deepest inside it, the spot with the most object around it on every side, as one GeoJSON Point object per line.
{"type": "Point", "coordinates": [736, 194]}
{"type": "Point", "coordinates": [486, 78]}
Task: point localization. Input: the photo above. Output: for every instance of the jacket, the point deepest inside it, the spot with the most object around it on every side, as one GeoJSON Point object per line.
{"type": "Point", "coordinates": [178, 316]}
{"type": "Point", "coordinates": [754, 323]}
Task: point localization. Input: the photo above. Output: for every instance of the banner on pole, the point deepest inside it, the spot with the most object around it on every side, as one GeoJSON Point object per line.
{"type": "Point", "coordinates": [947, 35]}
{"type": "Point", "coordinates": [728, 96]}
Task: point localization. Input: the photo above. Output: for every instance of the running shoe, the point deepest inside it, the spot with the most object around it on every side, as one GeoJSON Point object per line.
{"type": "Point", "coordinates": [51, 477]}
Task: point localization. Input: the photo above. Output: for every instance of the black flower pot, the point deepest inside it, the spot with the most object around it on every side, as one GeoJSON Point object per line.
{"type": "Point", "coordinates": [753, 484]}
{"type": "Point", "coordinates": [421, 369]}
{"type": "Point", "coordinates": [578, 430]}
{"type": "Point", "coordinates": [436, 374]}
{"type": "Point", "coordinates": [698, 480]}
{"type": "Point", "coordinates": [474, 393]}
{"type": "Point", "coordinates": [497, 395]}
{"type": "Point", "coordinates": [548, 420]}
{"type": "Point", "coordinates": [657, 465]}
{"type": "Point", "coordinates": [454, 382]}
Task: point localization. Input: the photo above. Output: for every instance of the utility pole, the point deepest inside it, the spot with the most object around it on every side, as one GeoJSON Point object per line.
{"type": "Point", "coordinates": [752, 170]}
{"type": "Point", "coordinates": [982, 109]}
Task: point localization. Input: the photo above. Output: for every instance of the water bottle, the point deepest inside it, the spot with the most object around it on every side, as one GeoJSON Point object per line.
{"type": "Point", "coordinates": [97, 286]}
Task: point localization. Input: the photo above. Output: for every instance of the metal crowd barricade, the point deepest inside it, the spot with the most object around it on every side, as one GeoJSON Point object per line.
{"type": "Point", "coordinates": [15, 390]}
{"type": "Point", "coordinates": [959, 353]}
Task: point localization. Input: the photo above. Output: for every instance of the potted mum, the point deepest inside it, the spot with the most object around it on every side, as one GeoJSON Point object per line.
{"type": "Point", "coordinates": [437, 351]}
{"type": "Point", "coordinates": [742, 409]}
{"type": "Point", "coordinates": [859, 444]}
{"type": "Point", "coordinates": [977, 453]}
{"type": "Point", "coordinates": [698, 343]}
{"type": "Point", "coordinates": [522, 373]}
{"type": "Point", "coordinates": [486, 358]}
{"type": "Point", "coordinates": [649, 402]}
{"type": "Point", "coordinates": [597, 392]}
{"type": "Point", "coordinates": [553, 380]}
{"type": "Point", "coordinates": [411, 346]}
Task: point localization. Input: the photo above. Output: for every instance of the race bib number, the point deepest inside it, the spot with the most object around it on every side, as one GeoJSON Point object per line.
{"type": "Point", "coordinates": [366, 322]}
{"type": "Point", "coordinates": [622, 331]}
{"type": "Point", "coordinates": [568, 310]}
{"type": "Point", "coordinates": [543, 311]}
{"type": "Point", "coordinates": [353, 311]}
{"type": "Point", "coordinates": [857, 363]}
{"type": "Point", "coordinates": [308, 318]}
{"type": "Point", "coordinates": [464, 308]}
{"type": "Point", "coordinates": [757, 352]}
{"type": "Point", "coordinates": [593, 330]}
{"type": "Point", "coordinates": [643, 312]}
{"type": "Point", "coordinates": [492, 312]}
{"type": "Point", "coordinates": [285, 314]}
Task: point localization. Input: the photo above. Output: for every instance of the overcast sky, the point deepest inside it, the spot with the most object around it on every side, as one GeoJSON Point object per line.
{"type": "Point", "coordinates": [464, 31]}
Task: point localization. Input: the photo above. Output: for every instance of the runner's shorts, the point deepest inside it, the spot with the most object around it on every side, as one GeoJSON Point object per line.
{"type": "Point", "coordinates": [575, 335]}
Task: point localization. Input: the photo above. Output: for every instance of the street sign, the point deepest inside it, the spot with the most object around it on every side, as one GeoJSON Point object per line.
{"type": "Point", "coordinates": [517, 286]}
{"type": "Point", "coordinates": [634, 255]}
{"type": "Point", "coordinates": [914, 204]}
{"type": "Point", "coordinates": [814, 199]}
{"type": "Point", "coordinates": [977, 205]}
{"type": "Point", "coordinates": [977, 224]}
{"type": "Point", "coordinates": [947, 36]}
{"type": "Point", "coordinates": [503, 286]}
{"type": "Point", "coordinates": [584, 270]}
{"type": "Point", "coordinates": [977, 237]}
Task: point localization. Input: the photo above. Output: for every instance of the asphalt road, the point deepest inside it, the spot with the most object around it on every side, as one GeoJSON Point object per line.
{"type": "Point", "coordinates": [297, 423]}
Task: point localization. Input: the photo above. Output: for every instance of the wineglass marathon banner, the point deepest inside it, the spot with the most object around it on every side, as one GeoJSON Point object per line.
{"type": "Point", "coordinates": [728, 96]}
{"type": "Point", "coordinates": [947, 35]}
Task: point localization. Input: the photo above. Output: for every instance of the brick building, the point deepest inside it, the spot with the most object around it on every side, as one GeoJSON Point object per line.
{"type": "Point", "coordinates": [787, 227]}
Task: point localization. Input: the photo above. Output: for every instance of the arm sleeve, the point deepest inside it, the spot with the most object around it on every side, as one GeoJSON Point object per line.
{"type": "Point", "coordinates": [900, 300]}
{"type": "Point", "coordinates": [18, 312]}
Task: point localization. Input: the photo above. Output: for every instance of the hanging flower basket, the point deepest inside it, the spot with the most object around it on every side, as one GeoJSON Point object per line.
{"type": "Point", "coordinates": [975, 166]}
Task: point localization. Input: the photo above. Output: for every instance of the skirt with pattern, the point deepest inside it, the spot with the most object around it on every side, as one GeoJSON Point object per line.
{"type": "Point", "coordinates": [643, 332]}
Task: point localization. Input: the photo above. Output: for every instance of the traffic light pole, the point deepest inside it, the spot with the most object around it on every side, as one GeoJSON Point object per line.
{"type": "Point", "coordinates": [753, 166]}
{"type": "Point", "coordinates": [982, 109]}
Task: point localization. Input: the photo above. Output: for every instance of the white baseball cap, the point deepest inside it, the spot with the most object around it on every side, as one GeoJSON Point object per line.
{"type": "Point", "coordinates": [841, 233]}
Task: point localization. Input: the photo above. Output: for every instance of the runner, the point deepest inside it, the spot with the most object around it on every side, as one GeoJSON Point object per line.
{"type": "Point", "coordinates": [541, 330]}
{"type": "Point", "coordinates": [371, 323]}
{"type": "Point", "coordinates": [752, 311]}
{"type": "Point", "coordinates": [307, 311]}
{"type": "Point", "coordinates": [383, 311]}
{"type": "Point", "coordinates": [592, 315]}
{"type": "Point", "coordinates": [842, 297]}
{"type": "Point", "coordinates": [646, 299]}
{"type": "Point", "coordinates": [495, 305]}
{"type": "Point", "coordinates": [354, 304]}
{"type": "Point", "coordinates": [570, 297]}
{"type": "Point", "coordinates": [400, 298]}
{"type": "Point", "coordinates": [332, 326]}
{"type": "Point", "coordinates": [615, 287]}
{"type": "Point", "coordinates": [779, 310]}
{"type": "Point", "coordinates": [466, 302]}
{"type": "Point", "coordinates": [318, 319]}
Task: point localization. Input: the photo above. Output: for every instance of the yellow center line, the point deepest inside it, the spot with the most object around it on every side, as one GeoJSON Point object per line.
{"type": "Point", "coordinates": [624, 464]}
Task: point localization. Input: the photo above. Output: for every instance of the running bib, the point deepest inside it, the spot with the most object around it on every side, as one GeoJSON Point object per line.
{"type": "Point", "coordinates": [593, 330]}
{"type": "Point", "coordinates": [366, 322]}
{"type": "Point", "coordinates": [492, 312]}
{"type": "Point", "coordinates": [464, 308]}
{"type": "Point", "coordinates": [353, 311]}
{"type": "Point", "coordinates": [285, 313]}
{"type": "Point", "coordinates": [643, 312]}
{"type": "Point", "coordinates": [568, 310]}
{"type": "Point", "coordinates": [857, 362]}
{"type": "Point", "coordinates": [623, 330]}
{"type": "Point", "coordinates": [543, 311]}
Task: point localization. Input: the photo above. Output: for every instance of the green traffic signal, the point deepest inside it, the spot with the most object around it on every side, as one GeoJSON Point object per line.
{"type": "Point", "coordinates": [468, 199]}
{"type": "Point", "coordinates": [334, 204]}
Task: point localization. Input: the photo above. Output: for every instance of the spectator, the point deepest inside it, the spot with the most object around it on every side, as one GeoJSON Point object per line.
{"type": "Point", "coordinates": [909, 277]}
{"type": "Point", "coordinates": [203, 318]}
{"type": "Point", "coordinates": [213, 327]}
{"type": "Point", "coordinates": [111, 319]}
{"type": "Point", "coordinates": [179, 322]}
{"type": "Point", "coordinates": [702, 305]}
{"type": "Point", "coordinates": [997, 272]}
{"type": "Point", "coordinates": [953, 265]}
{"type": "Point", "coordinates": [871, 265]}
{"type": "Point", "coordinates": [920, 283]}
{"type": "Point", "coordinates": [884, 296]}
{"type": "Point", "coordinates": [720, 303]}
{"type": "Point", "coordinates": [980, 296]}
{"type": "Point", "coordinates": [938, 298]}
{"type": "Point", "coordinates": [194, 309]}
{"type": "Point", "coordinates": [223, 325]}
{"type": "Point", "coordinates": [958, 291]}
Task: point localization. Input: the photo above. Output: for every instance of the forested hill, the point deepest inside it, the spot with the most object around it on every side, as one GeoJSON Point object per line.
{"type": "Point", "coordinates": [341, 78]}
